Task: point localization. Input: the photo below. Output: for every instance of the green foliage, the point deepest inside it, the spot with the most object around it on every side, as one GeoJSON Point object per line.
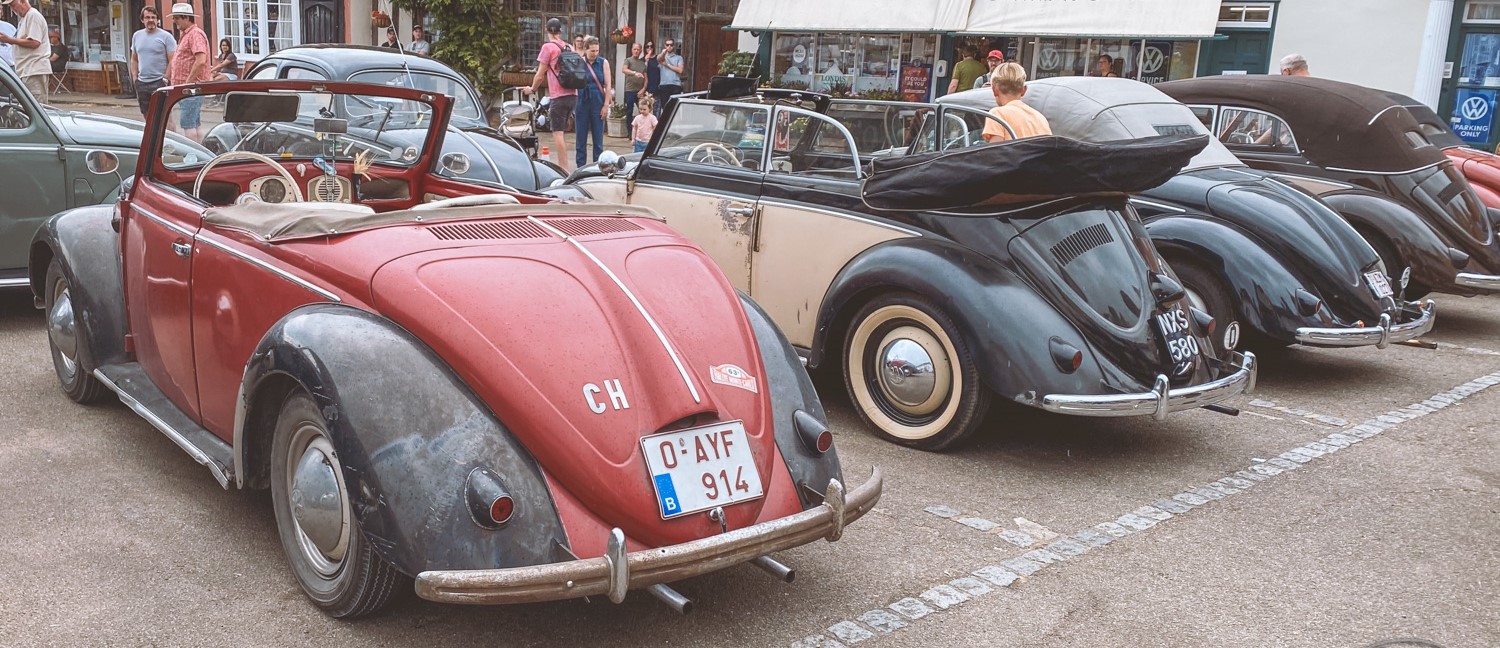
{"type": "Point", "coordinates": [477, 38]}
{"type": "Point", "coordinates": [737, 63]}
{"type": "Point", "coordinates": [617, 111]}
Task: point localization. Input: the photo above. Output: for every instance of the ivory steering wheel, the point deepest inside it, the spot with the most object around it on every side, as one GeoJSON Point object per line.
{"type": "Point", "coordinates": [734, 160]}
{"type": "Point", "coordinates": [247, 155]}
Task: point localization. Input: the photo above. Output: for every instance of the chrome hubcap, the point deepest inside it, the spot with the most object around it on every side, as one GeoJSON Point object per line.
{"type": "Point", "coordinates": [906, 372]}
{"type": "Point", "coordinates": [319, 509]}
{"type": "Point", "coordinates": [62, 328]}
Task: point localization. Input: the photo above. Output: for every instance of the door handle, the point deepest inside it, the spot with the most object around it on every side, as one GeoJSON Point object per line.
{"type": "Point", "coordinates": [182, 249]}
{"type": "Point", "coordinates": [742, 212]}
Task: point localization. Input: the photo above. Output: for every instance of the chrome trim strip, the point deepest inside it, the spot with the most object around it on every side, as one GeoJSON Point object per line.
{"type": "Point", "coordinates": [1381, 336]}
{"type": "Point", "coordinates": [1382, 112]}
{"type": "Point", "coordinates": [1474, 280]}
{"type": "Point", "coordinates": [193, 451]}
{"type": "Point", "coordinates": [1158, 205]}
{"type": "Point", "coordinates": [46, 148]}
{"type": "Point", "coordinates": [166, 223]}
{"type": "Point", "coordinates": [500, 178]}
{"type": "Point", "coordinates": [322, 292]}
{"type": "Point", "coordinates": [844, 215]}
{"type": "Point", "coordinates": [15, 283]}
{"type": "Point", "coordinates": [1159, 401]}
{"type": "Point", "coordinates": [686, 378]}
{"type": "Point", "coordinates": [1387, 173]}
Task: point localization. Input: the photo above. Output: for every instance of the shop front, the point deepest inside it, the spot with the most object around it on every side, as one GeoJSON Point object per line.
{"type": "Point", "coordinates": [1470, 90]}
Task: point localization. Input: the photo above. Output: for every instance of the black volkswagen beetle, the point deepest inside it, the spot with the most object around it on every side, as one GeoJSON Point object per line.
{"type": "Point", "coordinates": [1358, 149]}
{"type": "Point", "coordinates": [1248, 249]}
{"type": "Point", "coordinates": [492, 157]}
{"type": "Point", "coordinates": [938, 280]}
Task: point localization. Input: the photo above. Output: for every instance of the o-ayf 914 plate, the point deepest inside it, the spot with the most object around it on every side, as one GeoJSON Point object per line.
{"type": "Point", "coordinates": [1379, 284]}
{"type": "Point", "coordinates": [700, 468]}
{"type": "Point", "coordinates": [1181, 344]}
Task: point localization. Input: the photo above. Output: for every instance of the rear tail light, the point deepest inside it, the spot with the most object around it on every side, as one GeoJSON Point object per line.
{"type": "Point", "coordinates": [814, 433]}
{"type": "Point", "coordinates": [1458, 258]}
{"type": "Point", "coordinates": [489, 503]}
{"type": "Point", "coordinates": [1308, 303]}
{"type": "Point", "coordinates": [1067, 357]}
{"type": "Point", "coordinates": [1205, 321]}
{"type": "Point", "coordinates": [1165, 289]}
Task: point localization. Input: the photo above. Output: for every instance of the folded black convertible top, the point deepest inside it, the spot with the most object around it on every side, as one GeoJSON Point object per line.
{"type": "Point", "coordinates": [1027, 169]}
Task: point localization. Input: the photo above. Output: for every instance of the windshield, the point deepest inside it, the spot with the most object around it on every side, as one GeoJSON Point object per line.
{"type": "Point", "coordinates": [1136, 121]}
{"type": "Point", "coordinates": [301, 125]}
{"type": "Point", "coordinates": [463, 102]}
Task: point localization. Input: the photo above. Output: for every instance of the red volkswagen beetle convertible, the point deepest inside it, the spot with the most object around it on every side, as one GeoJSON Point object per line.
{"type": "Point", "coordinates": [504, 402]}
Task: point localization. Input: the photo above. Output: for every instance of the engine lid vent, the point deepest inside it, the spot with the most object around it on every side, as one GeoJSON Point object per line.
{"type": "Point", "coordinates": [489, 230]}
{"type": "Point", "coordinates": [592, 226]}
{"type": "Point", "coordinates": [1076, 244]}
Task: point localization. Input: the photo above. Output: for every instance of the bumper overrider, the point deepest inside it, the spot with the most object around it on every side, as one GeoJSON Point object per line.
{"type": "Point", "coordinates": [616, 572]}
{"type": "Point", "coordinates": [1480, 281]}
{"type": "Point", "coordinates": [1418, 321]}
{"type": "Point", "coordinates": [1161, 400]}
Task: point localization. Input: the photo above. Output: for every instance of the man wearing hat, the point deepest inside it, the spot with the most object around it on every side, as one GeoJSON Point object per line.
{"type": "Point", "coordinates": [189, 65]}
{"type": "Point", "coordinates": [31, 49]}
{"type": "Point", "coordinates": [561, 101]}
{"type": "Point", "coordinates": [390, 39]}
{"type": "Point", "coordinates": [994, 59]}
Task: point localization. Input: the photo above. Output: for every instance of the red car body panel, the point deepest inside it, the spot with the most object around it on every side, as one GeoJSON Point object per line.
{"type": "Point", "coordinates": [1481, 169]}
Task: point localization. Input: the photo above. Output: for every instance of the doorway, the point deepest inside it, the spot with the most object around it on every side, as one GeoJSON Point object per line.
{"type": "Point", "coordinates": [1241, 52]}
{"type": "Point", "coordinates": [322, 21]}
{"type": "Point", "coordinates": [711, 41]}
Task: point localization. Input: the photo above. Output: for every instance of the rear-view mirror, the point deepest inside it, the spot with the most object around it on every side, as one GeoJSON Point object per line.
{"type": "Point", "coordinates": [260, 107]}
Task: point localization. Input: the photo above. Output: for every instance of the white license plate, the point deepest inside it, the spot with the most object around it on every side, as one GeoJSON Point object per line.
{"type": "Point", "coordinates": [1379, 284]}
{"type": "Point", "coordinates": [700, 468]}
{"type": "Point", "coordinates": [1181, 344]}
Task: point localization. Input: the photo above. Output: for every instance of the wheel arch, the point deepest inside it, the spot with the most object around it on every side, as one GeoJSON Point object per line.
{"type": "Point", "coordinates": [89, 248]}
{"type": "Point", "coordinates": [1419, 245]}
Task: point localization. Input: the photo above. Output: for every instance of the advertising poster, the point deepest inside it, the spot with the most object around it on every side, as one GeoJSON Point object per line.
{"type": "Point", "coordinates": [1156, 61]}
{"type": "Point", "coordinates": [1474, 115]}
{"type": "Point", "coordinates": [915, 81]}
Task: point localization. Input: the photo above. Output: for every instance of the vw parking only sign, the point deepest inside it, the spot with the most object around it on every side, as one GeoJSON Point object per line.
{"type": "Point", "coordinates": [1474, 115]}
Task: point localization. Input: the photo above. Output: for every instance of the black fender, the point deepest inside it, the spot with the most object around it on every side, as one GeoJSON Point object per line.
{"type": "Point", "coordinates": [1419, 245]}
{"type": "Point", "coordinates": [1006, 323]}
{"type": "Point", "coordinates": [790, 389]}
{"type": "Point", "coordinates": [89, 247]}
{"type": "Point", "coordinates": [1262, 289]}
{"type": "Point", "coordinates": [408, 433]}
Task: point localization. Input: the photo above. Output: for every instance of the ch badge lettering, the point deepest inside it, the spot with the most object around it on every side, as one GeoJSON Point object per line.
{"type": "Point", "coordinates": [612, 389]}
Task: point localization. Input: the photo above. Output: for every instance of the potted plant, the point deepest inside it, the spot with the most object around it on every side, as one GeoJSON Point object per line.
{"type": "Point", "coordinates": [618, 124]}
{"type": "Point", "coordinates": [380, 19]}
{"type": "Point", "coordinates": [623, 35]}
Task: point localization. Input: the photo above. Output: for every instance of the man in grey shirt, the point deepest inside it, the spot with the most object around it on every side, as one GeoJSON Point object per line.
{"type": "Point", "coordinates": [150, 49]}
{"type": "Point", "coordinates": [671, 72]}
{"type": "Point", "coordinates": [635, 79]}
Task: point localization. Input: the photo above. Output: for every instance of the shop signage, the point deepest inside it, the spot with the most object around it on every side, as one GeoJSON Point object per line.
{"type": "Point", "coordinates": [915, 81]}
{"type": "Point", "coordinates": [1474, 115]}
{"type": "Point", "coordinates": [1156, 61]}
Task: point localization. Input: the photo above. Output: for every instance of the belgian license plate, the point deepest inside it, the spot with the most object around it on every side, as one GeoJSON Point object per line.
{"type": "Point", "coordinates": [1181, 344]}
{"type": "Point", "coordinates": [1379, 284]}
{"type": "Point", "coordinates": [698, 469]}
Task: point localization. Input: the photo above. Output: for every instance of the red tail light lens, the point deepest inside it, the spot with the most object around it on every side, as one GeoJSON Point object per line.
{"type": "Point", "coordinates": [825, 441]}
{"type": "Point", "coordinates": [501, 509]}
{"type": "Point", "coordinates": [490, 504]}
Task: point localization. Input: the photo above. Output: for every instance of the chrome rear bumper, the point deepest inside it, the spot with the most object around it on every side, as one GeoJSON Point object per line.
{"type": "Point", "coordinates": [1480, 281]}
{"type": "Point", "coordinates": [1381, 336]}
{"type": "Point", "coordinates": [1161, 400]}
{"type": "Point", "coordinates": [616, 572]}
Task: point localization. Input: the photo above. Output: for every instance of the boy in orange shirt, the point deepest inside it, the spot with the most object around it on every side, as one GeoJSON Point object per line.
{"type": "Point", "coordinates": [1009, 83]}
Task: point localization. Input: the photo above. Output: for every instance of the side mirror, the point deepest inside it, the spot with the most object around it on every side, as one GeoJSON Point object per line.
{"type": "Point", "coordinates": [455, 163]}
{"type": "Point", "coordinates": [611, 163]}
{"type": "Point", "coordinates": [101, 162]}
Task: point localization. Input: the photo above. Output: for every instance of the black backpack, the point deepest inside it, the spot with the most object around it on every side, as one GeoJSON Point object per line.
{"type": "Point", "coordinates": [571, 70]}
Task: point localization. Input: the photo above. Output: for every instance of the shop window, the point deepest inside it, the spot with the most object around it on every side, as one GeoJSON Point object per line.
{"type": "Point", "coordinates": [579, 18]}
{"type": "Point", "coordinates": [1243, 15]}
{"type": "Point", "coordinates": [670, 19]}
{"type": "Point", "coordinates": [1482, 13]}
{"type": "Point", "coordinates": [85, 29]}
{"type": "Point", "coordinates": [793, 59]}
{"type": "Point", "coordinates": [1253, 130]}
{"type": "Point", "coordinates": [258, 27]}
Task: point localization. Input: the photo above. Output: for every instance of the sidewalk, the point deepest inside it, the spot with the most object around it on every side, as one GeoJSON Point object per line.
{"type": "Point", "coordinates": [127, 108]}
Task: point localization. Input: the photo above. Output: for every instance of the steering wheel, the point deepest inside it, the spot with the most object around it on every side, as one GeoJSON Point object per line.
{"type": "Point", "coordinates": [13, 116]}
{"type": "Point", "coordinates": [469, 201]}
{"type": "Point", "coordinates": [711, 154]}
{"type": "Point", "coordinates": [247, 155]}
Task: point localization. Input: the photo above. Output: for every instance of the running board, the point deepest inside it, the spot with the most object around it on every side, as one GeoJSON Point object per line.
{"type": "Point", "coordinates": [136, 391]}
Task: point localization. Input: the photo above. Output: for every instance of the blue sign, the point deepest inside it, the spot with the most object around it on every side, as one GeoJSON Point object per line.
{"type": "Point", "coordinates": [1474, 115]}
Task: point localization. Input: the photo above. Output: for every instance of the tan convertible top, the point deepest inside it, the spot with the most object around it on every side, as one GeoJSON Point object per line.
{"type": "Point", "coordinates": [277, 222]}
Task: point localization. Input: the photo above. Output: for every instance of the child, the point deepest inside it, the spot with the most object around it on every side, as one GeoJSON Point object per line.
{"type": "Point", "coordinates": [644, 124]}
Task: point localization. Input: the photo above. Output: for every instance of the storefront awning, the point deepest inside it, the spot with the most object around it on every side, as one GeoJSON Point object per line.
{"type": "Point", "coordinates": [1166, 19]}
{"type": "Point", "coordinates": [853, 15]}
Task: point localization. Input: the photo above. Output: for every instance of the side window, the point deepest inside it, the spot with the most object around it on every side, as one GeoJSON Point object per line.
{"type": "Point", "coordinates": [716, 135]}
{"type": "Point", "coordinates": [267, 72]}
{"type": "Point", "coordinates": [1253, 130]}
{"type": "Point", "coordinates": [13, 115]}
{"type": "Point", "coordinates": [1204, 114]}
{"type": "Point", "coordinates": [310, 103]}
{"type": "Point", "coordinates": [830, 153]}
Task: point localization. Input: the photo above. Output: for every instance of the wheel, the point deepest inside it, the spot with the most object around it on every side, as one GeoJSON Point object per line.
{"type": "Point", "coordinates": [1206, 292]}
{"type": "Point", "coordinates": [911, 376]}
{"type": "Point", "coordinates": [68, 340]}
{"type": "Point", "coordinates": [1394, 265]}
{"type": "Point", "coordinates": [329, 556]}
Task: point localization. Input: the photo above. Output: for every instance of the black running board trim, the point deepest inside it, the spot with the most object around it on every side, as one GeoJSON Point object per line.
{"type": "Point", "coordinates": [136, 391]}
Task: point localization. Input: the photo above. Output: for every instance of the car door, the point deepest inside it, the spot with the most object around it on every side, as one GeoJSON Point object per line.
{"type": "Point", "coordinates": [810, 223]}
{"type": "Point", "coordinates": [160, 226]}
{"type": "Point", "coordinates": [704, 176]}
{"type": "Point", "coordinates": [34, 174]}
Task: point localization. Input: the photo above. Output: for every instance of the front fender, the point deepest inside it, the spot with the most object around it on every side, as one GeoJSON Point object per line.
{"type": "Point", "coordinates": [408, 433]}
{"type": "Point", "coordinates": [89, 248]}
{"type": "Point", "coordinates": [1416, 241]}
{"type": "Point", "coordinates": [1262, 289]}
{"type": "Point", "coordinates": [1006, 323]}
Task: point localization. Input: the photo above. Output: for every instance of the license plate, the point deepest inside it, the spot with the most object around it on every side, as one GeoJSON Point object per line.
{"type": "Point", "coordinates": [1379, 284]}
{"type": "Point", "coordinates": [700, 468]}
{"type": "Point", "coordinates": [1181, 344]}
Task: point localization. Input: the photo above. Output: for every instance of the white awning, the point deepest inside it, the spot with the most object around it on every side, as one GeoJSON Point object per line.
{"type": "Point", "coordinates": [852, 15]}
{"type": "Point", "coordinates": [1167, 19]}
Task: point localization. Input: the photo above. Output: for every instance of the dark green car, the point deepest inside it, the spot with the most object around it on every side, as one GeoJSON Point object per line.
{"type": "Point", "coordinates": [42, 171]}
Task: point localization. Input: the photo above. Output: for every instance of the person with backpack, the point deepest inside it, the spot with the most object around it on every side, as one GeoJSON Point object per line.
{"type": "Point", "coordinates": [564, 72]}
{"type": "Point", "coordinates": [594, 101]}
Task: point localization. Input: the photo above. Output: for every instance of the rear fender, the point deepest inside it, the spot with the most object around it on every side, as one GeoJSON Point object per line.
{"type": "Point", "coordinates": [1263, 290]}
{"type": "Point", "coordinates": [790, 390]}
{"type": "Point", "coordinates": [1419, 246]}
{"type": "Point", "coordinates": [408, 433]}
{"type": "Point", "coordinates": [89, 248]}
{"type": "Point", "coordinates": [1006, 323]}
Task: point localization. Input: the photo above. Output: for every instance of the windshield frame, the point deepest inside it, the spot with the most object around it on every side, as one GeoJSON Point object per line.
{"type": "Point", "coordinates": [460, 104]}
